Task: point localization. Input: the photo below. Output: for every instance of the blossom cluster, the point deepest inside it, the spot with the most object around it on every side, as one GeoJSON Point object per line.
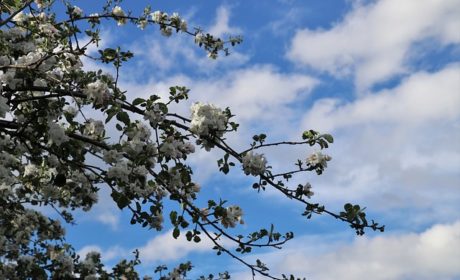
{"type": "Point", "coordinates": [118, 12]}
{"type": "Point", "coordinates": [232, 216]}
{"type": "Point", "coordinates": [98, 92]}
{"type": "Point", "coordinates": [176, 149]}
{"type": "Point", "coordinates": [56, 134]}
{"type": "Point", "coordinates": [167, 23]}
{"type": "Point", "coordinates": [154, 115]}
{"type": "Point", "coordinates": [177, 183]}
{"type": "Point", "coordinates": [49, 58]}
{"type": "Point", "coordinates": [94, 129]}
{"type": "Point", "coordinates": [254, 164]}
{"type": "Point", "coordinates": [208, 122]}
{"type": "Point", "coordinates": [306, 190]}
{"type": "Point", "coordinates": [318, 159]}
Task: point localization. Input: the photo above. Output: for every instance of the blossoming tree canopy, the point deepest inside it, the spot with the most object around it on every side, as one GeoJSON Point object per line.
{"type": "Point", "coordinates": [52, 154]}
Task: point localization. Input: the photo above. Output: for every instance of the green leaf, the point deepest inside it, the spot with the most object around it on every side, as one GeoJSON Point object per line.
{"type": "Point", "coordinates": [173, 217]}
{"type": "Point", "coordinates": [110, 113]}
{"type": "Point", "coordinates": [123, 117]}
{"type": "Point", "coordinates": [328, 138]}
{"type": "Point", "coordinates": [121, 200]}
{"type": "Point", "coordinates": [176, 232]}
{"type": "Point", "coordinates": [108, 54]}
{"type": "Point", "coordinates": [189, 235]}
{"type": "Point", "coordinates": [348, 207]}
{"type": "Point", "coordinates": [138, 101]}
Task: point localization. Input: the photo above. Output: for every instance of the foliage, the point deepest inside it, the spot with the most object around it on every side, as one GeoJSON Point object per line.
{"type": "Point", "coordinates": [53, 155]}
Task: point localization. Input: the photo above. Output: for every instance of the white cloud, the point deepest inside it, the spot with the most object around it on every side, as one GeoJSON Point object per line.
{"type": "Point", "coordinates": [178, 53]}
{"type": "Point", "coordinates": [108, 217]}
{"type": "Point", "coordinates": [395, 149]}
{"type": "Point", "coordinates": [432, 254]}
{"type": "Point", "coordinates": [165, 248]}
{"type": "Point", "coordinates": [259, 93]}
{"type": "Point", "coordinates": [421, 98]}
{"type": "Point", "coordinates": [105, 211]}
{"type": "Point", "coordinates": [161, 248]}
{"type": "Point", "coordinates": [374, 41]}
{"type": "Point", "coordinates": [221, 25]}
{"type": "Point", "coordinates": [114, 253]}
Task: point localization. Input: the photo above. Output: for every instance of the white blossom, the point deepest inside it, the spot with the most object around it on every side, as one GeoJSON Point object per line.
{"type": "Point", "coordinates": [118, 12]}
{"type": "Point", "coordinates": [317, 158]}
{"type": "Point", "coordinates": [30, 58]}
{"type": "Point", "coordinates": [207, 120]}
{"type": "Point", "coordinates": [30, 170]}
{"type": "Point", "coordinates": [169, 149]}
{"type": "Point", "coordinates": [71, 63]}
{"type": "Point", "coordinates": [154, 115]}
{"type": "Point", "coordinates": [98, 92]}
{"type": "Point", "coordinates": [66, 265]}
{"type": "Point", "coordinates": [20, 18]}
{"type": "Point", "coordinates": [4, 107]}
{"type": "Point", "coordinates": [232, 216]}
{"type": "Point", "coordinates": [73, 111]}
{"type": "Point", "coordinates": [254, 164]}
{"type": "Point", "coordinates": [157, 16]}
{"type": "Point", "coordinates": [199, 38]}
{"type": "Point", "coordinates": [212, 55]}
{"type": "Point", "coordinates": [56, 134]}
{"type": "Point", "coordinates": [111, 156]}
{"type": "Point", "coordinates": [77, 12]}
{"type": "Point", "coordinates": [175, 275]}
{"type": "Point", "coordinates": [142, 24]}
{"type": "Point", "coordinates": [175, 16]}
{"type": "Point", "coordinates": [94, 128]}
{"type": "Point", "coordinates": [140, 170]}
{"type": "Point", "coordinates": [119, 171]}
{"type": "Point", "coordinates": [91, 259]}
{"type": "Point", "coordinates": [48, 29]}
{"type": "Point", "coordinates": [183, 25]}
{"type": "Point", "coordinates": [306, 190]}
{"type": "Point", "coordinates": [174, 148]}
{"type": "Point", "coordinates": [140, 132]}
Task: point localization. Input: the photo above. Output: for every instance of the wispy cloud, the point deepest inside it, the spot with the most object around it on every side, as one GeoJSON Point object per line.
{"type": "Point", "coordinates": [160, 249]}
{"type": "Point", "coordinates": [431, 254]}
{"type": "Point", "coordinates": [221, 24]}
{"type": "Point", "coordinates": [420, 98]}
{"type": "Point", "coordinates": [373, 42]}
{"type": "Point", "coordinates": [396, 148]}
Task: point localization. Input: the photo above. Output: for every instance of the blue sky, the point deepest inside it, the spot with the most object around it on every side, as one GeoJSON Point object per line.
{"type": "Point", "coordinates": [382, 76]}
